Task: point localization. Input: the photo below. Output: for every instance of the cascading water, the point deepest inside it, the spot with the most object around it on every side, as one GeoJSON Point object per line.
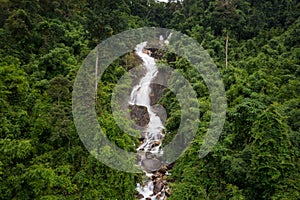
{"type": "Point", "coordinates": [154, 186]}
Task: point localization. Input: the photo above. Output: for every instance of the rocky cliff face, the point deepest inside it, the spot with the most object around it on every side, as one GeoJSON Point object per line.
{"type": "Point", "coordinates": [157, 92]}
{"type": "Point", "coordinates": [139, 114]}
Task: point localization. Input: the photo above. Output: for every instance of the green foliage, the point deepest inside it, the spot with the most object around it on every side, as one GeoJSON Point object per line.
{"type": "Point", "coordinates": [43, 43]}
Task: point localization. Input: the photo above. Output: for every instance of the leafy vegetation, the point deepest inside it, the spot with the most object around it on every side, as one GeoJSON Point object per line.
{"type": "Point", "coordinates": [43, 43]}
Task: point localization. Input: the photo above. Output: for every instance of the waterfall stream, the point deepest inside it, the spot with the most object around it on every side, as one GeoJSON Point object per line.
{"type": "Point", "coordinates": [154, 186]}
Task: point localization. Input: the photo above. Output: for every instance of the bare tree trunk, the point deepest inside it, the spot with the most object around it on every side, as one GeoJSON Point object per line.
{"type": "Point", "coordinates": [96, 74]}
{"type": "Point", "coordinates": [226, 49]}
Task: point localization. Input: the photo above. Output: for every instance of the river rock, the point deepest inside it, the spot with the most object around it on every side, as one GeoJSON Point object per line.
{"type": "Point", "coordinates": [163, 170]}
{"type": "Point", "coordinates": [149, 155]}
{"type": "Point", "coordinates": [167, 192]}
{"type": "Point", "coordinates": [140, 196]}
{"type": "Point", "coordinates": [155, 143]}
{"type": "Point", "coordinates": [158, 186]}
{"type": "Point", "coordinates": [153, 177]}
{"type": "Point", "coordinates": [159, 196]}
{"type": "Point", "coordinates": [151, 165]}
{"type": "Point", "coordinates": [156, 52]}
{"type": "Point", "coordinates": [139, 114]}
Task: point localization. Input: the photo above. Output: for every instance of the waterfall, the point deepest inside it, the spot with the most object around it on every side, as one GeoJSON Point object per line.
{"type": "Point", "coordinates": [153, 188]}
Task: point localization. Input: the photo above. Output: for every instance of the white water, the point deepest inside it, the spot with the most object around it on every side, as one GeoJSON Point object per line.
{"type": "Point", "coordinates": [140, 96]}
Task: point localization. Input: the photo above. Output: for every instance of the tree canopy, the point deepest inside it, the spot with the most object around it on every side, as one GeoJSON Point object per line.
{"type": "Point", "coordinates": [43, 43]}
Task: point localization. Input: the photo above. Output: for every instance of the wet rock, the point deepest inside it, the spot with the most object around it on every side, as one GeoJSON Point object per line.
{"type": "Point", "coordinates": [155, 144]}
{"type": "Point", "coordinates": [158, 85]}
{"type": "Point", "coordinates": [143, 135]}
{"type": "Point", "coordinates": [163, 170]}
{"type": "Point", "coordinates": [161, 112]}
{"type": "Point", "coordinates": [151, 165]}
{"type": "Point", "coordinates": [156, 52]}
{"type": "Point", "coordinates": [158, 186]}
{"type": "Point", "coordinates": [158, 176]}
{"type": "Point", "coordinates": [139, 114]}
{"type": "Point", "coordinates": [153, 177]}
{"type": "Point", "coordinates": [140, 196]}
{"type": "Point", "coordinates": [167, 192]}
{"type": "Point", "coordinates": [159, 196]}
{"type": "Point", "coordinates": [149, 155]}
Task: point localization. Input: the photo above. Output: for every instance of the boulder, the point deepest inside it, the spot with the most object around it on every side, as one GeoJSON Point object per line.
{"type": "Point", "coordinates": [168, 192]}
{"type": "Point", "coordinates": [139, 114]}
{"type": "Point", "coordinates": [156, 93]}
{"type": "Point", "coordinates": [149, 155]}
{"type": "Point", "coordinates": [163, 170]}
{"type": "Point", "coordinates": [155, 143]}
{"type": "Point", "coordinates": [159, 196]}
{"type": "Point", "coordinates": [156, 52]}
{"type": "Point", "coordinates": [158, 186]}
{"type": "Point", "coordinates": [160, 111]}
{"type": "Point", "coordinates": [151, 165]}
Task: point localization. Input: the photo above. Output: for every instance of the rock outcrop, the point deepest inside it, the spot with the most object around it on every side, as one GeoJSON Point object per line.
{"type": "Point", "coordinates": [139, 114]}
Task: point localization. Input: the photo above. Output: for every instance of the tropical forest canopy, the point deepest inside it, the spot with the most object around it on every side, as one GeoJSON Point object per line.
{"type": "Point", "coordinates": [43, 43]}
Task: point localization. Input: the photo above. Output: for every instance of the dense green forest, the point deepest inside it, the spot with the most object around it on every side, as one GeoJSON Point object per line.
{"type": "Point", "coordinates": [43, 43]}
